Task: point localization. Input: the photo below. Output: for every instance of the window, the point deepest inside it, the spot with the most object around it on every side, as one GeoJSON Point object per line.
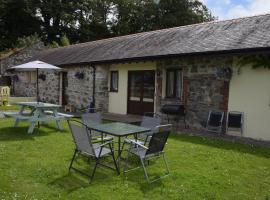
{"type": "Point", "coordinates": [174, 83]}
{"type": "Point", "coordinates": [114, 81]}
{"type": "Point", "coordinates": [33, 77]}
{"type": "Point", "coordinates": [28, 77]}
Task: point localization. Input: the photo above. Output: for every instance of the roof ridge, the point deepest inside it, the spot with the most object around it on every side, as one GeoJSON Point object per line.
{"type": "Point", "coordinates": [162, 30]}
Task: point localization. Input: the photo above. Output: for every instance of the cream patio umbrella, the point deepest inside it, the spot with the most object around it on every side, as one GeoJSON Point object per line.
{"type": "Point", "coordinates": [35, 65]}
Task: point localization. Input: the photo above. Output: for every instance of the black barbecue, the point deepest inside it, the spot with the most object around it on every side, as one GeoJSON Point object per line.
{"type": "Point", "coordinates": [177, 110]}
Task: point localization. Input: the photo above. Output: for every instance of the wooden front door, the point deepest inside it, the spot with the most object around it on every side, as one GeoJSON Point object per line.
{"type": "Point", "coordinates": [141, 91]}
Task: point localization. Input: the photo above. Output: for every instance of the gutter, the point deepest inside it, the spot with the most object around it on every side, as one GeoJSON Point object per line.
{"type": "Point", "coordinates": [93, 103]}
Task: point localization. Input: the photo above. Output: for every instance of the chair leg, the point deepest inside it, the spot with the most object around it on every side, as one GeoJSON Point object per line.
{"type": "Point", "coordinates": [114, 161]}
{"type": "Point", "coordinates": [145, 171]}
{"type": "Point", "coordinates": [73, 157]}
{"type": "Point", "coordinates": [94, 170]}
{"type": "Point", "coordinates": [166, 164]}
{"type": "Point", "coordinates": [125, 164]}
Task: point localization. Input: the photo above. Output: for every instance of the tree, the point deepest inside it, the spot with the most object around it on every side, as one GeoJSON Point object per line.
{"type": "Point", "coordinates": [64, 41]}
{"type": "Point", "coordinates": [17, 19]}
{"type": "Point", "coordinates": [145, 15]}
{"type": "Point", "coordinates": [88, 20]}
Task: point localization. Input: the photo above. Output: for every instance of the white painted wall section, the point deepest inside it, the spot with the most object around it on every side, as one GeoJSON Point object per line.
{"type": "Point", "coordinates": [118, 100]}
{"type": "Point", "coordinates": [250, 93]}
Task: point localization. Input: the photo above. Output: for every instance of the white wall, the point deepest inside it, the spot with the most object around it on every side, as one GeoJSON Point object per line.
{"type": "Point", "coordinates": [250, 93]}
{"type": "Point", "coordinates": [118, 100]}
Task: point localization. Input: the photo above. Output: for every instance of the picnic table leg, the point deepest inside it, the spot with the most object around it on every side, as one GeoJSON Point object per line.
{"type": "Point", "coordinates": [16, 123]}
{"type": "Point", "coordinates": [31, 127]}
{"type": "Point", "coordinates": [58, 122]}
{"type": "Point", "coordinates": [33, 121]}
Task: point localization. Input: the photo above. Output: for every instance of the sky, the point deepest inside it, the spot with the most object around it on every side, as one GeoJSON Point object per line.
{"type": "Point", "coordinates": [229, 9]}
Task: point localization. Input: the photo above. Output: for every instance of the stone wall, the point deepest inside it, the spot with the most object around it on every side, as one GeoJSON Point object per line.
{"type": "Point", "coordinates": [79, 92]}
{"type": "Point", "coordinates": [19, 57]}
{"type": "Point", "coordinates": [202, 89]}
{"type": "Point", "coordinates": [50, 87]}
{"type": "Point", "coordinates": [23, 89]}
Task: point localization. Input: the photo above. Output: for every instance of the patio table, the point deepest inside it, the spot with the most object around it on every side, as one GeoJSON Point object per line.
{"type": "Point", "coordinates": [119, 130]}
{"type": "Point", "coordinates": [40, 113]}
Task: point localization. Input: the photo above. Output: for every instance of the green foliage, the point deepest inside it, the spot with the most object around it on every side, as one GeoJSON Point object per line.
{"type": "Point", "coordinates": [9, 107]}
{"type": "Point", "coordinates": [64, 40]}
{"type": "Point", "coordinates": [137, 16]}
{"type": "Point", "coordinates": [27, 41]}
{"type": "Point", "coordinates": [35, 166]}
{"type": "Point", "coordinates": [54, 44]}
{"type": "Point", "coordinates": [87, 20]}
{"type": "Point", "coordinates": [256, 61]}
{"type": "Point", "coordinates": [17, 20]}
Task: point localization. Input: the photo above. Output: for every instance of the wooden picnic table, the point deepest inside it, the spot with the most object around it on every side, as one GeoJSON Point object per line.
{"type": "Point", "coordinates": [40, 113]}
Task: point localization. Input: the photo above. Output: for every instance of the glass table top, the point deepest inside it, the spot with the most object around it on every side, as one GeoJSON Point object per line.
{"type": "Point", "coordinates": [118, 128]}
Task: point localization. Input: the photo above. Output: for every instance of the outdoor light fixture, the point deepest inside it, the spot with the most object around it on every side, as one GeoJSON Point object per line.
{"type": "Point", "coordinates": [79, 75]}
{"type": "Point", "coordinates": [42, 77]}
{"type": "Point", "coordinates": [15, 78]}
{"type": "Point", "coordinates": [225, 73]}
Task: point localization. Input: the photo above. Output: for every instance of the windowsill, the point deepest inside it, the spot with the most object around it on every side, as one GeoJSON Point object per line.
{"type": "Point", "coordinates": [115, 91]}
{"type": "Point", "coordinates": [172, 98]}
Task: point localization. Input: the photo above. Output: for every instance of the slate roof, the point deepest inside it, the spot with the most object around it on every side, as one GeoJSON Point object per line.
{"type": "Point", "coordinates": [241, 34]}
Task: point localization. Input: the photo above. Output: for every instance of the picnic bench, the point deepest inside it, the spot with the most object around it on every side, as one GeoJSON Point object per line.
{"type": "Point", "coordinates": [40, 113]}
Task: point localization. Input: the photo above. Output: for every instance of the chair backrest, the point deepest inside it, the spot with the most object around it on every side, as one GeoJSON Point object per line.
{"type": "Point", "coordinates": [150, 122]}
{"type": "Point", "coordinates": [159, 139]}
{"type": "Point", "coordinates": [81, 137]}
{"type": "Point", "coordinates": [215, 118]}
{"type": "Point", "coordinates": [88, 118]}
{"type": "Point", "coordinates": [234, 119]}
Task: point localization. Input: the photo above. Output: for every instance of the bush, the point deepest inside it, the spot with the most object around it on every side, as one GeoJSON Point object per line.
{"type": "Point", "coordinates": [27, 41]}
{"type": "Point", "coordinates": [64, 41]}
{"type": "Point", "coordinates": [54, 45]}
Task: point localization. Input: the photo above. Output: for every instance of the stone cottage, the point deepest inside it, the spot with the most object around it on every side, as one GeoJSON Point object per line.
{"type": "Point", "coordinates": [194, 65]}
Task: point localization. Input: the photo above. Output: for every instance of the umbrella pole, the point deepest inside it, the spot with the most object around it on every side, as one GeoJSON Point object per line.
{"type": "Point", "coordinates": [37, 87]}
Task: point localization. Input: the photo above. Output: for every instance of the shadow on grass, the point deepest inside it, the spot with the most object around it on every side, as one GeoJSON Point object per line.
{"type": "Point", "coordinates": [20, 133]}
{"type": "Point", "coordinates": [74, 180]}
{"type": "Point", "coordinates": [136, 175]}
{"type": "Point", "coordinates": [70, 182]}
{"type": "Point", "coordinates": [223, 144]}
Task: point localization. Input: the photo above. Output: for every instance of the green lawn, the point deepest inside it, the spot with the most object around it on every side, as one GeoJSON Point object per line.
{"type": "Point", "coordinates": [35, 167]}
{"type": "Point", "coordinates": [10, 107]}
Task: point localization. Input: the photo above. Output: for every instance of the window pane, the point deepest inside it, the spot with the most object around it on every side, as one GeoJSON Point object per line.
{"type": "Point", "coordinates": [114, 81]}
{"type": "Point", "coordinates": [135, 86]}
{"type": "Point", "coordinates": [33, 77]}
{"type": "Point", "coordinates": [178, 83]}
{"type": "Point", "coordinates": [149, 87]}
{"type": "Point", "coordinates": [170, 83]}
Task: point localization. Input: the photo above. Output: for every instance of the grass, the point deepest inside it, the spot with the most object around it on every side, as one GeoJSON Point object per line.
{"type": "Point", "coordinates": [35, 167]}
{"type": "Point", "coordinates": [10, 107]}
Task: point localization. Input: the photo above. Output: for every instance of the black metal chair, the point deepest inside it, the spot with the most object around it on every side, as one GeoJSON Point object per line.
{"type": "Point", "coordinates": [155, 149]}
{"type": "Point", "coordinates": [88, 118]}
{"type": "Point", "coordinates": [235, 121]}
{"type": "Point", "coordinates": [84, 146]}
{"type": "Point", "coordinates": [214, 121]}
{"type": "Point", "coordinates": [147, 122]}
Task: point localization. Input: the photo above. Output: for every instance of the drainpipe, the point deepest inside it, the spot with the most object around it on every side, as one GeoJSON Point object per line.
{"type": "Point", "coordinates": [93, 103]}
